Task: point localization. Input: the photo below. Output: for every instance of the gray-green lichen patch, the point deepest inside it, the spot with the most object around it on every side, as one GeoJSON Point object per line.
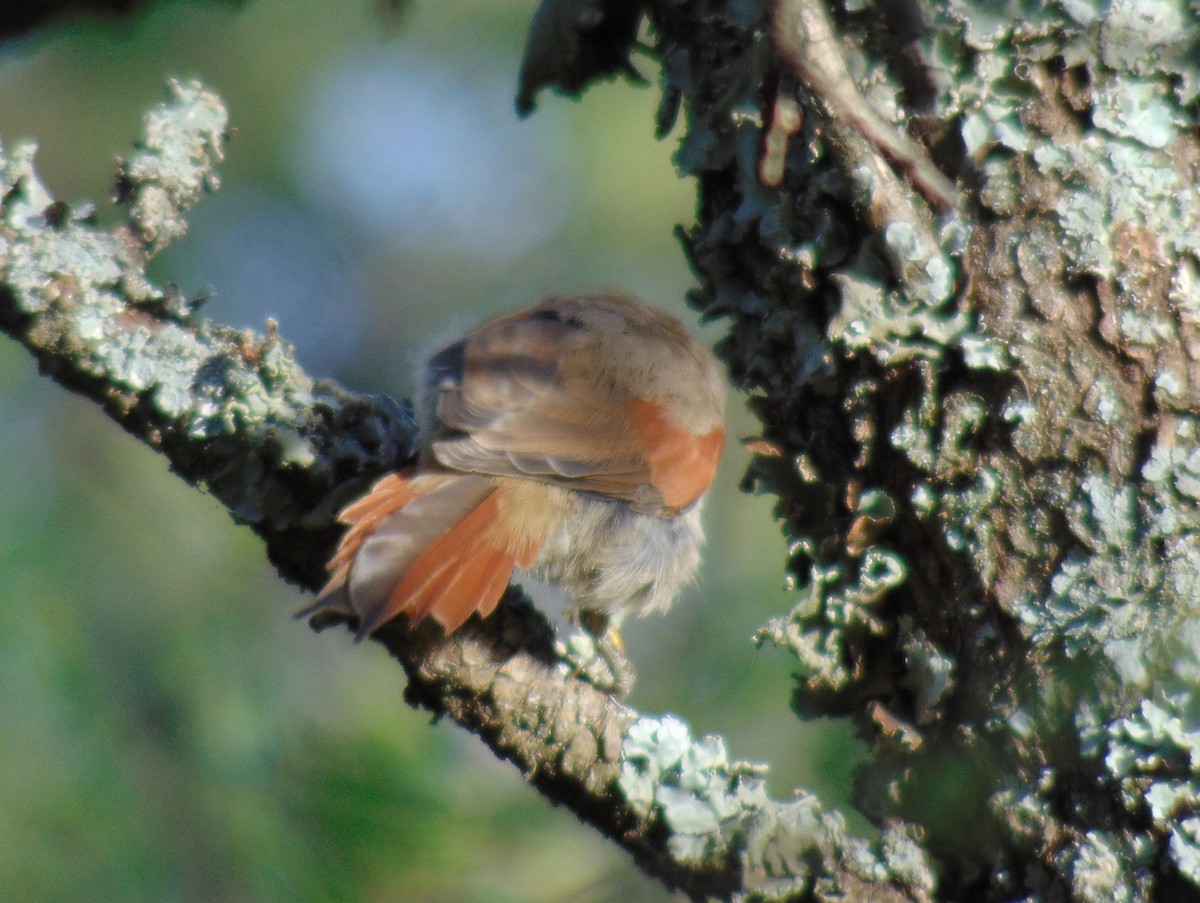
{"type": "Point", "coordinates": [1150, 37]}
{"type": "Point", "coordinates": [1097, 865]}
{"type": "Point", "coordinates": [892, 325]}
{"type": "Point", "coordinates": [36, 255]}
{"type": "Point", "coordinates": [705, 799]}
{"type": "Point", "coordinates": [1138, 110]}
{"type": "Point", "coordinates": [795, 851]}
{"type": "Point", "coordinates": [176, 164]}
{"type": "Point", "coordinates": [930, 674]}
{"type": "Point", "coordinates": [1107, 181]}
{"type": "Point", "coordinates": [229, 399]}
{"type": "Point", "coordinates": [1108, 598]}
{"type": "Point", "coordinates": [717, 808]}
{"type": "Point", "coordinates": [75, 274]}
{"type": "Point", "coordinates": [1152, 758]}
{"type": "Point", "coordinates": [837, 603]}
{"type": "Point", "coordinates": [779, 851]}
{"type": "Point", "coordinates": [1104, 867]}
{"type": "Point", "coordinates": [1121, 203]}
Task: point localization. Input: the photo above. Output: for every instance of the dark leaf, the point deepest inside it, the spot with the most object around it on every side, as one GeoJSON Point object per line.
{"type": "Point", "coordinates": [572, 42]}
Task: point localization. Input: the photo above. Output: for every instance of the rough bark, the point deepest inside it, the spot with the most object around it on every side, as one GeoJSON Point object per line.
{"type": "Point", "coordinates": [982, 420]}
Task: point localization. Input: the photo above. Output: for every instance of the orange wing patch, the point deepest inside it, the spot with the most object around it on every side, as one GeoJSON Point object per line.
{"type": "Point", "coordinates": [682, 464]}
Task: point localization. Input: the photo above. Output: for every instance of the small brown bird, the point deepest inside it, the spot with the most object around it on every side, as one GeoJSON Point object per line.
{"type": "Point", "coordinates": [574, 441]}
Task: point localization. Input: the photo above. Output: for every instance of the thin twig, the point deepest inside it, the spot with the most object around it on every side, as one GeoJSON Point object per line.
{"type": "Point", "coordinates": [804, 36]}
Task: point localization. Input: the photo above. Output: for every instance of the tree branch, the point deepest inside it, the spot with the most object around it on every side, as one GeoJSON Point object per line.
{"type": "Point", "coordinates": [235, 415]}
{"type": "Point", "coordinates": [805, 39]}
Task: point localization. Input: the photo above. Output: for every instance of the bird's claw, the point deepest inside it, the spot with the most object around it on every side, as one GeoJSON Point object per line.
{"type": "Point", "coordinates": [598, 658]}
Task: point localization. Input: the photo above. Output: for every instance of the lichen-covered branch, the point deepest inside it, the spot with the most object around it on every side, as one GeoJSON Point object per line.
{"type": "Point", "coordinates": [233, 414]}
{"type": "Point", "coordinates": [231, 411]}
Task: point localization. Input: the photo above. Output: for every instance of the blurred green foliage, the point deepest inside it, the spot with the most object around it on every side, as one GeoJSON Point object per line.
{"type": "Point", "coordinates": [168, 732]}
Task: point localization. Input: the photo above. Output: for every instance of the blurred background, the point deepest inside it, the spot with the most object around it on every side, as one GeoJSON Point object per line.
{"type": "Point", "coordinates": [167, 731]}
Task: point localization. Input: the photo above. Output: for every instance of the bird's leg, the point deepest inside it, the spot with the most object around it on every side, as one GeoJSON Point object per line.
{"type": "Point", "coordinates": [596, 653]}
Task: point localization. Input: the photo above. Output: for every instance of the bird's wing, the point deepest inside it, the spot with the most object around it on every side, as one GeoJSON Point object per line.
{"type": "Point", "coordinates": [510, 401]}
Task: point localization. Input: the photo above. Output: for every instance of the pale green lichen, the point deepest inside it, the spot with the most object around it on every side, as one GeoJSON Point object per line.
{"type": "Point", "coordinates": [1107, 181]}
{"type": "Point", "coordinates": [1184, 846]}
{"type": "Point", "coordinates": [916, 441]}
{"type": "Point", "coordinates": [235, 408]}
{"type": "Point", "coordinates": [836, 601]}
{"type": "Point", "coordinates": [905, 860]}
{"type": "Point", "coordinates": [994, 118]}
{"type": "Point", "coordinates": [1138, 110]}
{"type": "Point", "coordinates": [1101, 869]}
{"type": "Point", "coordinates": [923, 499]}
{"type": "Point", "coordinates": [25, 196]}
{"type": "Point", "coordinates": [1026, 812]}
{"type": "Point", "coordinates": [795, 851]}
{"type": "Point", "coordinates": [34, 257]}
{"type": "Point", "coordinates": [931, 281]}
{"type": "Point", "coordinates": [185, 378]}
{"type": "Point", "coordinates": [1174, 461]}
{"type": "Point", "coordinates": [916, 321]}
{"type": "Point", "coordinates": [779, 852]}
{"type": "Point", "coordinates": [716, 808]}
{"type": "Point", "coordinates": [704, 798]}
{"type": "Point", "coordinates": [184, 140]}
{"type": "Point", "coordinates": [1155, 740]}
{"type": "Point", "coordinates": [1104, 600]}
{"type": "Point", "coordinates": [229, 399]}
{"type": "Point", "coordinates": [1153, 757]}
{"type": "Point", "coordinates": [892, 326]}
{"type": "Point", "coordinates": [1153, 36]}
{"type": "Point", "coordinates": [983, 352]}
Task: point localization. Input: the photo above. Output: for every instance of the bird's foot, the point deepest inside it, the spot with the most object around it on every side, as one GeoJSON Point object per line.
{"type": "Point", "coordinates": [594, 652]}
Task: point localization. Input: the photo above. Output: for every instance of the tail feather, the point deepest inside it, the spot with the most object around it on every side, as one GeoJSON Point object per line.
{"type": "Point", "coordinates": [475, 587]}
{"type": "Point", "coordinates": [491, 591]}
{"type": "Point", "coordinates": [412, 599]}
{"type": "Point", "coordinates": [388, 494]}
{"type": "Point", "coordinates": [463, 544]}
{"type": "Point", "coordinates": [386, 497]}
{"type": "Point", "coordinates": [424, 545]}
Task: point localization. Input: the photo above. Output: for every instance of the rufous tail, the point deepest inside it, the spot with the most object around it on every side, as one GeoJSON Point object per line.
{"type": "Point", "coordinates": [425, 545]}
